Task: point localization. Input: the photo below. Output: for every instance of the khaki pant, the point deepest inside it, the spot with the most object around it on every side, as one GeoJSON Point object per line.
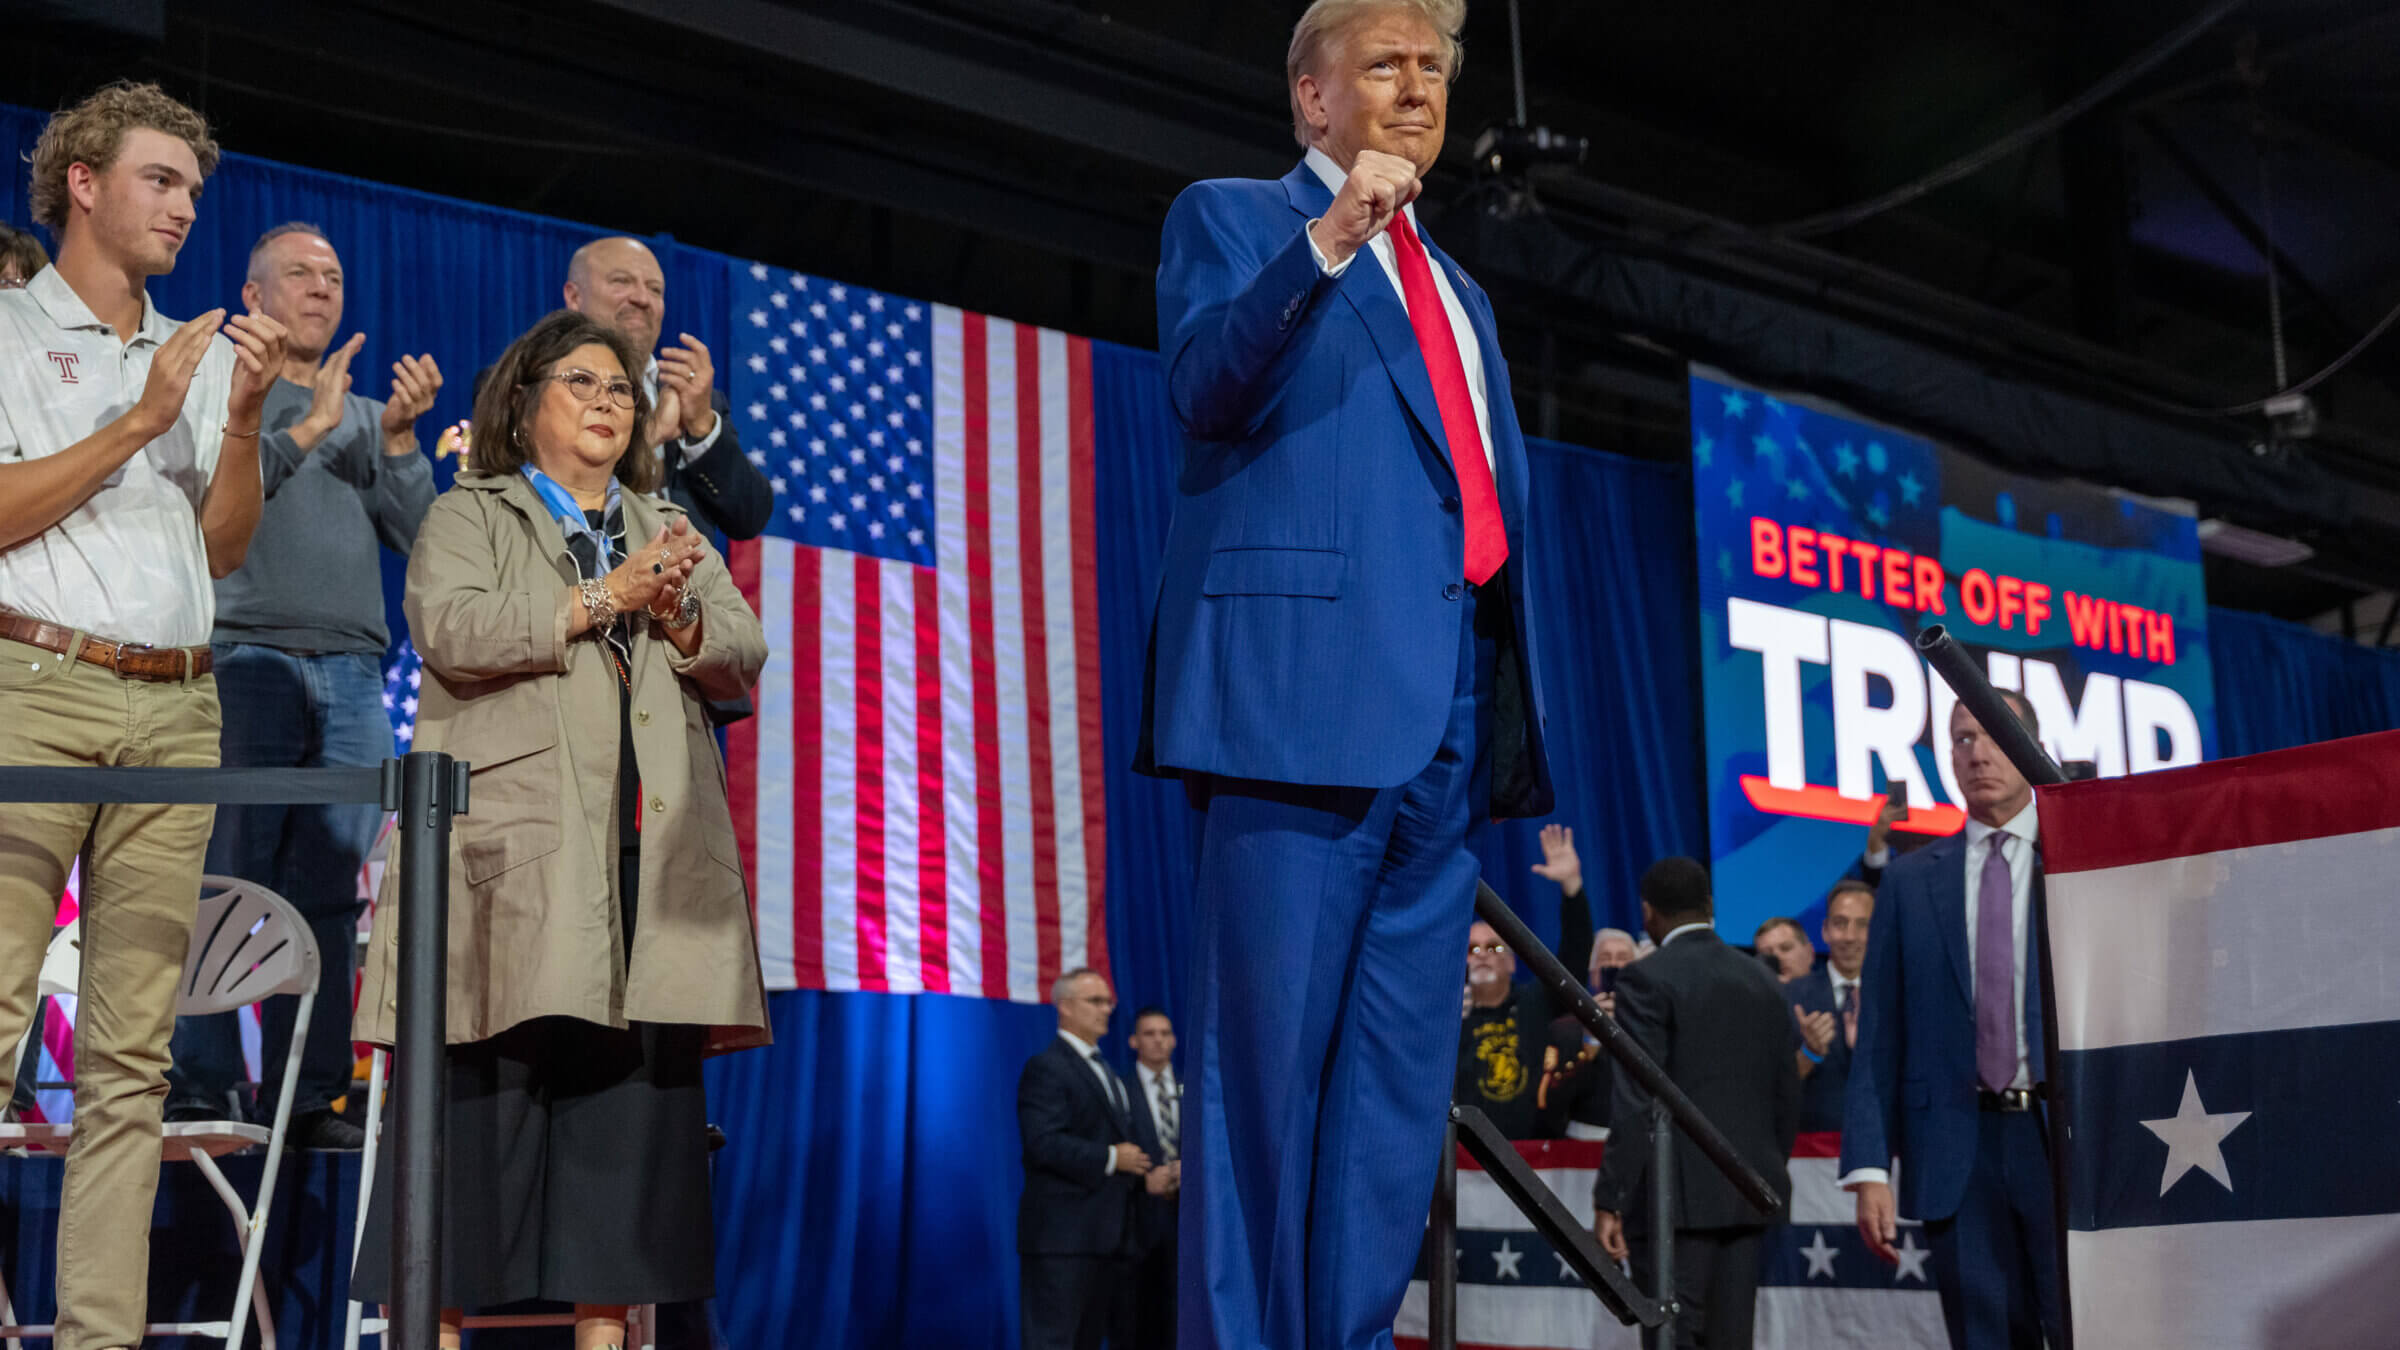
{"type": "Point", "coordinates": [139, 889]}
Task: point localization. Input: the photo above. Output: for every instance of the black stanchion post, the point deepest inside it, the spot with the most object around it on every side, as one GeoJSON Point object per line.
{"type": "Point", "coordinates": [432, 787]}
{"type": "Point", "coordinates": [1662, 1222]}
{"type": "Point", "coordinates": [1441, 1251]}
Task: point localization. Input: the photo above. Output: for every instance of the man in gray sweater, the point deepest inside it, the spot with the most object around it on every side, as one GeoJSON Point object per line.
{"type": "Point", "coordinates": [299, 642]}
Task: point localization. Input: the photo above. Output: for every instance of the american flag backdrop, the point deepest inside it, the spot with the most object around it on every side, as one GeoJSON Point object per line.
{"type": "Point", "coordinates": [919, 795]}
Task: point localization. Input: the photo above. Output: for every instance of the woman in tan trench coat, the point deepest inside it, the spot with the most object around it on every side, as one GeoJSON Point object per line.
{"type": "Point", "coordinates": [600, 944]}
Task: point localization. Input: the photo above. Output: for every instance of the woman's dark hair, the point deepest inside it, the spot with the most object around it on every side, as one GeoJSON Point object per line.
{"type": "Point", "coordinates": [504, 406]}
{"type": "Point", "coordinates": [21, 248]}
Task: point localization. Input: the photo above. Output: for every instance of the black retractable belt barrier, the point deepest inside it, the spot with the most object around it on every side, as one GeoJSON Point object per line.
{"type": "Point", "coordinates": [426, 788]}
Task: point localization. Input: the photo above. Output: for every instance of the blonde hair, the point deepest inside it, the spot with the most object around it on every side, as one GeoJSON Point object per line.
{"type": "Point", "coordinates": [93, 131]}
{"type": "Point", "coordinates": [1327, 18]}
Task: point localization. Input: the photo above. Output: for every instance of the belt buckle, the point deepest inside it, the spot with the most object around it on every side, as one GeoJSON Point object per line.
{"type": "Point", "coordinates": [2016, 1099]}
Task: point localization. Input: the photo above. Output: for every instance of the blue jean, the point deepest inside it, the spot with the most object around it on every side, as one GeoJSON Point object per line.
{"type": "Point", "coordinates": [1328, 923]}
{"type": "Point", "coordinates": [288, 711]}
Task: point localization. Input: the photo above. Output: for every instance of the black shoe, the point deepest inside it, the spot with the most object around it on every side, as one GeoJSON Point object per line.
{"type": "Point", "coordinates": [189, 1112]}
{"type": "Point", "coordinates": [325, 1132]}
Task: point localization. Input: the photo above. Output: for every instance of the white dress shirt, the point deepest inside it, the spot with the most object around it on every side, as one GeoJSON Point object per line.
{"type": "Point", "coordinates": [688, 450]}
{"type": "Point", "coordinates": [129, 563]}
{"type": "Point", "coordinates": [1470, 351]}
{"type": "Point", "coordinates": [1156, 1088]}
{"type": "Point", "coordinates": [2016, 837]}
{"type": "Point", "coordinates": [1109, 1084]}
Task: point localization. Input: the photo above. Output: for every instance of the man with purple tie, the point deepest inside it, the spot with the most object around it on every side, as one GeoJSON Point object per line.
{"type": "Point", "coordinates": [1947, 1073]}
{"type": "Point", "coordinates": [1342, 673]}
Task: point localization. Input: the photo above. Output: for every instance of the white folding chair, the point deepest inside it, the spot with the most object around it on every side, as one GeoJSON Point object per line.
{"type": "Point", "coordinates": [248, 943]}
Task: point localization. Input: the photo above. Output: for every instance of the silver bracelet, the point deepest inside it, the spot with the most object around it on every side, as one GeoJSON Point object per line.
{"type": "Point", "coordinates": [603, 611]}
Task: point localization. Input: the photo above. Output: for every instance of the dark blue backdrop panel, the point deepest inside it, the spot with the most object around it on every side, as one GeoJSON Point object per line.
{"type": "Point", "coordinates": [868, 1196]}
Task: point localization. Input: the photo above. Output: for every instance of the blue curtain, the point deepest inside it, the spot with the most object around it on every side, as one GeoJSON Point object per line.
{"type": "Point", "coordinates": [2279, 684]}
{"type": "Point", "coordinates": [868, 1195]}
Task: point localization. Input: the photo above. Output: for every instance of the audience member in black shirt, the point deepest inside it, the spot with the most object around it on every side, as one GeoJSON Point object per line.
{"type": "Point", "coordinates": [1505, 1027]}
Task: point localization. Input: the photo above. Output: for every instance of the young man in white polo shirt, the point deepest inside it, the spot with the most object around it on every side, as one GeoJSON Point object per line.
{"type": "Point", "coordinates": [128, 481]}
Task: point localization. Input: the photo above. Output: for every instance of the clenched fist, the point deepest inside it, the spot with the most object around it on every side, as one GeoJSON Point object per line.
{"type": "Point", "coordinates": [1379, 185]}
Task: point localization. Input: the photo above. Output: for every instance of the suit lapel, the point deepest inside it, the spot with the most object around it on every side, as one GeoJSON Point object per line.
{"type": "Point", "coordinates": [1950, 909]}
{"type": "Point", "coordinates": [1369, 291]}
{"type": "Point", "coordinates": [1082, 1069]}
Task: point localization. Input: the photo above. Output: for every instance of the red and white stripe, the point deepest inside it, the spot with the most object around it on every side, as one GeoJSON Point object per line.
{"type": "Point", "coordinates": [919, 795]}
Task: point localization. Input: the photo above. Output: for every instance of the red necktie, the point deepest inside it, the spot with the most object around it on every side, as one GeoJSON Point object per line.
{"type": "Point", "coordinates": [1487, 535]}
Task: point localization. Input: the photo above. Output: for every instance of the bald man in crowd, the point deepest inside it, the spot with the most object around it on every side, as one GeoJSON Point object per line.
{"type": "Point", "coordinates": [618, 282]}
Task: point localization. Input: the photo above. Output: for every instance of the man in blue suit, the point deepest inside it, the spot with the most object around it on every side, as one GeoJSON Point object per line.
{"type": "Point", "coordinates": [1825, 1007]}
{"type": "Point", "coordinates": [1947, 1073]}
{"type": "Point", "coordinates": [1342, 672]}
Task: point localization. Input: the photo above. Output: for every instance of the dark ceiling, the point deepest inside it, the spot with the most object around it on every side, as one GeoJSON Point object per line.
{"type": "Point", "coordinates": [1017, 156]}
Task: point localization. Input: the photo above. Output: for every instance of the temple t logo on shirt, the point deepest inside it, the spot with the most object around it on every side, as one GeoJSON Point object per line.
{"type": "Point", "coordinates": [65, 361]}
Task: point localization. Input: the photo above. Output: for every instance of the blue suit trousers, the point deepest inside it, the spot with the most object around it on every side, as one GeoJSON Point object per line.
{"type": "Point", "coordinates": [1996, 1260]}
{"type": "Point", "coordinates": [1329, 954]}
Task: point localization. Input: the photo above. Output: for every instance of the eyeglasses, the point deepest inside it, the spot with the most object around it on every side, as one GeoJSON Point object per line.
{"type": "Point", "coordinates": [586, 386]}
{"type": "Point", "coordinates": [1487, 949]}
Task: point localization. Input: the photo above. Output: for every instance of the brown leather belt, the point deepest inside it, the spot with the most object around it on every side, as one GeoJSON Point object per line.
{"type": "Point", "coordinates": [130, 660]}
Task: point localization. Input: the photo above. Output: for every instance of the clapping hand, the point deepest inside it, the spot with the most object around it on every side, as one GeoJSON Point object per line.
{"type": "Point", "coordinates": [1816, 1028]}
{"type": "Point", "coordinates": [658, 568]}
{"type": "Point", "coordinates": [687, 372]}
{"type": "Point", "coordinates": [415, 382]}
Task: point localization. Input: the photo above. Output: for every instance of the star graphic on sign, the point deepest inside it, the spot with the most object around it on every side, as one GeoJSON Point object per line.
{"type": "Point", "coordinates": [1820, 1254]}
{"type": "Point", "coordinates": [1725, 563]}
{"type": "Point", "coordinates": [1766, 448]}
{"type": "Point", "coordinates": [1736, 402]}
{"type": "Point", "coordinates": [2193, 1138]}
{"type": "Point", "coordinates": [1845, 460]}
{"type": "Point", "coordinates": [1505, 1262]}
{"type": "Point", "coordinates": [1912, 1258]}
{"type": "Point", "coordinates": [1910, 488]}
{"type": "Point", "coordinates": [1703, 450]}
{"type": "Point", "coordinates": [1733, 492]}
{"type": "Point", "coordinates": [1795, 489]}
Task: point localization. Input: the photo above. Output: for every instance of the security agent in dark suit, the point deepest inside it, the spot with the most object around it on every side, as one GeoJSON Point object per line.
{"type": "Point", "coordinates": [1144, 1314]}
{"type": "Point", "coordinates": [1716, 1022]}
{"type": "Point", "coordinates": [1825, 1006]}
{"type": "Point", "coordinates": [1075, 1222]}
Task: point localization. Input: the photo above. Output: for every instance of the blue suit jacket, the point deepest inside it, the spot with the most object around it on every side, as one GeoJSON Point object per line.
{"type": "Point", "coordinates": [1308, 613]}
{"type": "Point", "coordinates": [1912, 1085]}
{"type": "Point", "coordinates": [1824, 1093]}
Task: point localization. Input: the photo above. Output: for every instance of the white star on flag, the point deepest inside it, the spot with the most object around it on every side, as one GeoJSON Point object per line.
{"type": "Point", "coordinates": [2194, 1137]}
{"type": "Point", "coordinates": [758, 363]}
{"type": "Point", "coordinates": [1505, 1262]}
{"type": "Point", "coordinates": [758, 318]}
{"type": "Point", "coordinates": [1912, 1258]}
{"type": "Point", "coordinates": [758, 271]}
{"type": "Point", "coordinates": [1820, 1254]}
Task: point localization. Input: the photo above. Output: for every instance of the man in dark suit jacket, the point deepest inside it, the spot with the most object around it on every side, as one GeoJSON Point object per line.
{"type": "Point", "coordinates": [1715, 1021]}
{"type": "Point", "coordinates": [1145, 1314]}
{"type": "Point", "coordinates": [1075, 1222]}
{"type": "Point", "coordinates": [1825, 1006]}
{"type": "Point", "coordinates": [1342, 672]}
{"type": "Point", "coordinates": [1947, 1076]}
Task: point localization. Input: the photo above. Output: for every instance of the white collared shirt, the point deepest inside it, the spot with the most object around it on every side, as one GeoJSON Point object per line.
{"type": "Point", "coordinates": [1700, 925]}
{"type": "Point", "coordinates": [686, 450]}
{"type": "Point", "coordinates": [129, 563]}
{"type": "Point", "coordinates": [1109, 1082]}
{"type": "Point", "coordinates": [2017, 837]}
{"type": "Point", "coordinates": [1156, 1088]}
{"type": "Point", "coordinates": [1470, 351]}
{"type": "Point", "coordinates": [1840, 984]}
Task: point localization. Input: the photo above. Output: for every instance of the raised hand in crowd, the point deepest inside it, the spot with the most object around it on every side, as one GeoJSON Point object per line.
{"type": "Point", "coordinates": [1560, 863]}
{"type": "Point", "coordinates": [171, 370]}
{"type": "Point", "coordinates": [687, 370]}
{"type": "Point", "coordinates": [415, 382]}
{"type": "Point", "coordinates": [1131, 1160]}
{"type": "Point", "coordinates": [1879, 834]}
{"type": "Point", "coordinates": [1816, 1028]}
